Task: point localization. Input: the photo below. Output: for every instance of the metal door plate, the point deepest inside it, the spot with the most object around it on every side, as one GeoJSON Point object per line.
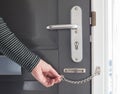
{"type": "Point", "coordinates": [76, 34]}
{"type": "Point", "coordinates": [74, 70]}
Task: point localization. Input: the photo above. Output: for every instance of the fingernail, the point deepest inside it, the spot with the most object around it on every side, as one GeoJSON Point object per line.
{"type": "Point", "coordinates": [52, 84]}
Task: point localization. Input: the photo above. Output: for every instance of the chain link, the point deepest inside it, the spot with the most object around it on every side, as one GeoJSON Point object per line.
{"type": "Point", "coordinates": [97, 72]}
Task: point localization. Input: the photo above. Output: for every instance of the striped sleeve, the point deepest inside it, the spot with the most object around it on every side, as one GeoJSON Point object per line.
{"type": "Point", "coordinates": [11, 47]}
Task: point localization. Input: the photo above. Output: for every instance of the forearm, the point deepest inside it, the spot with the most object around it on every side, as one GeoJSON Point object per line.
{"type": "Point", "coordinates": [15, 50]}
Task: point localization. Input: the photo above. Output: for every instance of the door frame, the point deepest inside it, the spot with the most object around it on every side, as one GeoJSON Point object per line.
{"type": "Point", "coordinates": [102, 46]}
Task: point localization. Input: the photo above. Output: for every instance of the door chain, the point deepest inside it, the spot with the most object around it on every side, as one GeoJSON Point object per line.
{"type": "Point", "coordinates": [97, 72]}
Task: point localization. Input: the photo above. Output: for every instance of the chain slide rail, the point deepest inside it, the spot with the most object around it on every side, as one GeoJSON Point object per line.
{"type": "Point", "coordinates": [96, 73]}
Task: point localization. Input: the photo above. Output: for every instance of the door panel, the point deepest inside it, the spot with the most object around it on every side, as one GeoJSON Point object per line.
{"type": "Point", "coordinates": [28, 19]}
{"type": "Point", "coordinates": [65, 60]}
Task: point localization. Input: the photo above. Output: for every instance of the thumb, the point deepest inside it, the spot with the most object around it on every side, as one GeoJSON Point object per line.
{"type": "Point", "coordinates": [53, 72]}
{"type": "Point", "coordinates": [55, 75]}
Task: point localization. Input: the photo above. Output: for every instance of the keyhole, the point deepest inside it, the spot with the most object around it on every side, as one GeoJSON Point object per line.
{"type": "Point", "coordinates": [76, 45]}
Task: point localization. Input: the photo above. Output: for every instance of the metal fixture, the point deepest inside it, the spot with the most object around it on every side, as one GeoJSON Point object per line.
{"type": "Point", "coordinates": [76, 33]}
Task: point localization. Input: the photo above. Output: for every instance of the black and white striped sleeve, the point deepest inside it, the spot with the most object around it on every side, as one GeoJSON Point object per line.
{"type": "Point", "coordinates": [11, 47]}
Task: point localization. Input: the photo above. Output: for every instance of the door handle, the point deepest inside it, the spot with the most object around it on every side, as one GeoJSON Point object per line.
{"type": "Point", "coordinates": [76, 33]}
{"type": "Point", "coordinates": [66, 26]}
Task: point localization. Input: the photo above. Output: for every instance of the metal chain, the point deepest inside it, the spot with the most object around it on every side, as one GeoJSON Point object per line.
{"type": "Point", "coordinates": [97, 72]}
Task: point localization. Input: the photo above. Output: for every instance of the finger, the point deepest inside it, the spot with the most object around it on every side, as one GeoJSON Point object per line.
{"type": "Point", "coordinates": [53, 72]}
{"type": "Point", "coordinates": [52, 77]}
{"type": "Point", "coordinates": [44, 80]}
{"type": "Point", "coordinates": [50, 81]}
{"type": "Point", "coordinates": [57, 79]}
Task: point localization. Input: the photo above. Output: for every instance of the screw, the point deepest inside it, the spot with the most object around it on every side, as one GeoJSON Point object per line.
{"type": "Point", "coordinates": [76, 32]}
{"type": "Point", "coordinates": [76, 8]}
{"type": "Point", "coordinates": [76, 59]}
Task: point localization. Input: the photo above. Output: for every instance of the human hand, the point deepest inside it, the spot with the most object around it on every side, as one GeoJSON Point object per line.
{"type": "Point", "coordinates": [46, 74]}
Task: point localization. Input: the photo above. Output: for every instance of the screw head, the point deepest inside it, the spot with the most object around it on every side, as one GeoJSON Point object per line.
{"type": "Point", "coordinates": [76, 32]}
{"type": "Point", "coordinates": [76, 59]}
{"type": "Point", "coordinates": [76, 8]}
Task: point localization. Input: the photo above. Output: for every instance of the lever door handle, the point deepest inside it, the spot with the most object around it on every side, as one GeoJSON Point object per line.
{"type": "Point", "coordinates": [76, 33]}
{"type": "Point", "coordinates": [66, 26]}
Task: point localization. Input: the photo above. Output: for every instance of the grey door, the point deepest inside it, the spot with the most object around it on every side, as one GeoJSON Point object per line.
{"type": "Point", "coordinates": [28, 19]}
